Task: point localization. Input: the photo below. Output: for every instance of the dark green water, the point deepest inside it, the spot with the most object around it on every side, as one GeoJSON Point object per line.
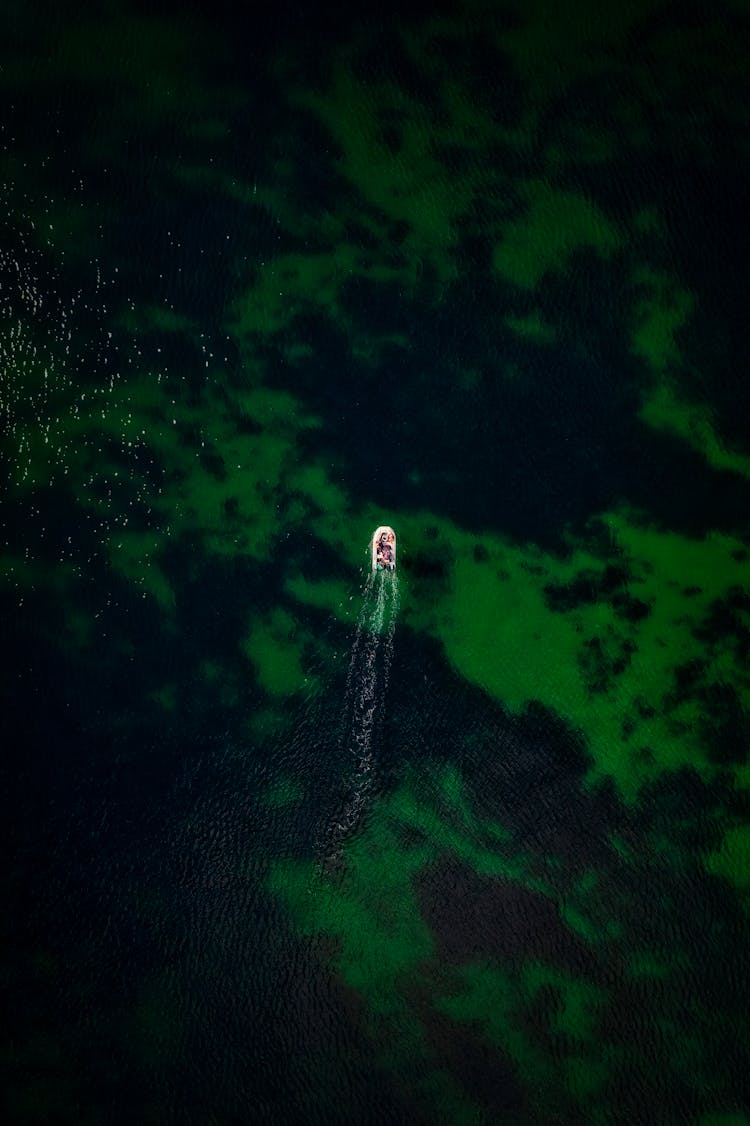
{"type": "Point", "coordinates": [282, 843]}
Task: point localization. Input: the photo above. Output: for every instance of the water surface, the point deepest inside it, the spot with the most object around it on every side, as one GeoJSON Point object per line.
{"type": "Point", "coordinates": [287, 842]}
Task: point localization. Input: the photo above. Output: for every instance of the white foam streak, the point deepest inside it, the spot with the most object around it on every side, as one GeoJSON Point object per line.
{"type": "Point", "coordinates": [365, 696]}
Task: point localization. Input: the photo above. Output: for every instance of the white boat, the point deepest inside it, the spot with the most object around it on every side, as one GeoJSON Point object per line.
{"type": "Point", "coordinates": [383, 547]}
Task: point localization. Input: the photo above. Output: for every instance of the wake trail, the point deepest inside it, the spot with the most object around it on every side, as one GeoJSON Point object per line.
{"type": "Point", "coordinates": [365, 695]}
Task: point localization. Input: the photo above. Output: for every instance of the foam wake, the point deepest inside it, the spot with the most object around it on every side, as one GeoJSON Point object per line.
{"type": "Point", "coordinates": [365, 694]}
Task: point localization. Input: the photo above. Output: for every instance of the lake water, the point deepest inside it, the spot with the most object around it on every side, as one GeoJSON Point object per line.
{"type": "Point", "coordinates": [286, 841]}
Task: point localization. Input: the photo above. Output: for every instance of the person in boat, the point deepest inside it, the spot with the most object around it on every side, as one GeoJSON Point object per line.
{"type": "Point", "coordinates": [384, 555]}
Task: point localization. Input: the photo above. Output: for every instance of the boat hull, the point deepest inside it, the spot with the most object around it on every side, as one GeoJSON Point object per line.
{"type": "Point", "coordinates": [383, 548]}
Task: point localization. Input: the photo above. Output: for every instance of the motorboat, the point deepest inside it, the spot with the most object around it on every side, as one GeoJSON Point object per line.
{"type": "Point", "coordinates": [383, 547]}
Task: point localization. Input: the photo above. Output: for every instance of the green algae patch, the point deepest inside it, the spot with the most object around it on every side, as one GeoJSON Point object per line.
{"type": "Point", "coordinates": [137, 319]}
{"type": "Point", "coordinates": [553, 227]}
{"type": "Point", "coordinates": [579, 1003]}
{"type": "Point", "coordinates": [291, 284]}
{"type": "Point", "coordinates": [579, 142]}
{"type": "Point", "coordinates": [478, 844]}
{"type": "Point", "coordinates": [498, 1001]}
{"type": "Point", "coordinates": [402, 838]}
{"type": "Point", "coordinates": [578, 922]}
{"type": "Point", "coordinates": [275, 645]}
{"type": "Point", "coordinates": [274, 410]}
{"type": "Point", "coordinates": [232, 512]}
{"type": "Point", "coordinates": [335, 597]}
{"type": "Point", "coordinates": [664, 408]}
{"type": "Point", "coordinates": [371, 910]}
{"type": "Point", "coordinates": [288, 286]}
{"type": "Point", "coordinates": [493, 997]}
{"type": "Point", "coordinates": [165, 697]}
{"type": "Point", "coordinates": [363, 898]}
{"type": "Point", "coordinates": [405, 182]}
{"type": "Point", "coordinates": [134, 556]}
{"type": "Point", "coordinates": [502, 635]}
{"type": "Point", "coordinates": [661, 309]}
{"type": "Point", "coordinates": [21, 573]}
{"type": "Point", "coordinates": [532, 327]}
{"type": "Point", "coordinates": [382, 901]}
{"type": "Point", "coordinates": [732, 860]}
{"type": "Point", "coordinates": [647, 964]}
{"type": "Point", "coordinates": [223, 461]}
{"type": "Point", "coordinates": [611, 665]}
